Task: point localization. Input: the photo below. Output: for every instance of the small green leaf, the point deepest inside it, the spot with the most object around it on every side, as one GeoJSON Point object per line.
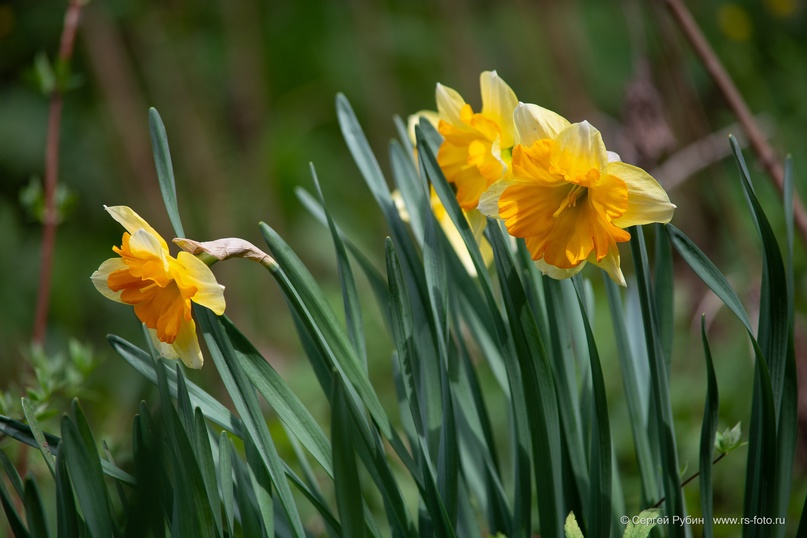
{"type": "Point", "coordinates": [729, 439]}
{"type": "Point", "coordinates": [43, 73]}
{"type": "Point", "coordinates": [571, 528]}
{"type": "Point", "coordinates": [641, 525]}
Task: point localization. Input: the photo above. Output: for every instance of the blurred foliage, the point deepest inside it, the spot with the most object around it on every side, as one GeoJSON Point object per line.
{"type": "Point", "coordinates": [246, 91]}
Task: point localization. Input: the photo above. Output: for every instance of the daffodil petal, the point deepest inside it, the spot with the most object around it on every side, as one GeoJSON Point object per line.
{"type": "Point", "coordinates": [449, 104]}
{"type": "Point", "coordinates": [534, 123]}
{"type": "Point", "coordinates": [647, 200]}
{"type": "Point", "coordinates": [613, 157]}
{"type": "Point", "coordinates": [489, 201]}
{"type": "Point", "coordinates": [101, 276]}
{"type": "Point", "coordinates": [610, 264]}
{"type": "Point", "coordinates": [556, 272]}
{"type": "Point", "coordinates": [163, 350]}
{"type": "Point", "coordinates": [498, 103]}
{"type": "Point", "coordinates": [143, 243]}
{"type": "Point", "coordinates": [196, 274]}
{"type": "Point", "coordinates": [186, 346]}
{"type": "Point", "coordinates": [134, 222]}
{"type": "Point", "coordinates": [580, 149]}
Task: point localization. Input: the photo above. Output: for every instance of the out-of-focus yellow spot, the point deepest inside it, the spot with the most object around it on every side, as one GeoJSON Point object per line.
{"type": "Point", "coordinates": [781, 8]}
{"type": "Point", "coordinates": [7, 20]}
{"type": "Point", "coordinates": [734, 22]}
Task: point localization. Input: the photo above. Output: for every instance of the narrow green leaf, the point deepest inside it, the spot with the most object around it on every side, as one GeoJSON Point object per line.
{"type": "Point", "coordinates": [310, 486]}
{"type": "Point", "coordinates": [274, 389]}
{"type": "Point", "coordinates": [165, 170]}
{"type": "Point", "coordinates": [261, 484]}
{"type": "Point", "coordinates": [22, 432]}
{"type": "Point", "coordinates": [633, 397]}
{"type": "Point", "coordinates": [192, 515]}
{"type": "Point", "coordinates": [225, 472]}
{"type": "Point", "coordinates": [708, 272]}
{"type": "Point", "coordinates": [559, 328]}
{"type": "Point", "coordinates": [402, 325]}
{"type": "Point", "coordinates": [36, 430]}
{"type": "Point", "coordinates": [374, 277]}
{"type": "Point", "coordinates": [144, 364]}
{"type": "Point", "coordinates": [360, 149]}
{"type": "Point", "coordinates": [118, 486]}
{"type": "Point", "coordinates": [306, 297]}
{"type": "Point", "coordinates": [13, 475]}
{"type": "Point", "coordinates": [67, 517]}
{"type": "Point", "coordinates": [85, 471]}
{"type": "Point", "coordinates": [663, 291]}
{"type": "Point", "coordinates": [539, 389]}
{"type": "Point", "coordinates": [207, 467]}
{"type": "Point", "coordinates": [663, 419]}
{"type": "Point", "coordinates": [248, 511]}
{"type": "Point", "coordinates": [773, 319]}
{"type": "Point", "coordinates": [431, 330]}
{"type": "Point", "coordinates": [448, 455]}
{"type": "Point", "coordinates": [478, 450]}
{"type": "Point", "coordinates": [402, 331]}
{"type": "Point", "coordinates": [154, 499]}
{"type": "Point", "coordinates": [185, 410]}
{"type": "Point", "coordinates": [246, 402]}
{"type": "Point", "coordinates": [430, 135]}
{"type": "Point", "coordinates": [346, 475]}
{"type": "Point", "coordinates": [774, 337]}
{"type": "Point", "coordinates": [412, 188]}
{"type": "Point", "coordinates": [14, 519]}
{"type": "Point", "coordinates": [600, 459]}
{"type": "Point", "coordinates": [788, 416]}
{"type": "Point", "coordinates": [350, 295]}
{"type": "Point", "coordinates": [708, 432]}
{"type": "Point", "coordinates": [34, 511]}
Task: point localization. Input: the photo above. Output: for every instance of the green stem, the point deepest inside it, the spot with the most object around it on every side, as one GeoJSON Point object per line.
{"type": "Point", "coordinates": [691, 478]}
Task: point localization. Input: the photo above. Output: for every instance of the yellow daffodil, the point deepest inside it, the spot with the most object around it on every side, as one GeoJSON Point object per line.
{"type": "Point", "coordinates": [569, 198]}
{"type": "Point", "coordinates": [476, 147]}
{"type": "Point", "coordinates": [159, 286]}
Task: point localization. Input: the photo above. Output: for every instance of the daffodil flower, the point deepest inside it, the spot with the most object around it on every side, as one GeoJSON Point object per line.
{"type": "Point", "coordinates": [569, 198]}
{"type": "Point", "coordinates": [476, 147]}
{"type": "Point", "coordinates": [159, 286]}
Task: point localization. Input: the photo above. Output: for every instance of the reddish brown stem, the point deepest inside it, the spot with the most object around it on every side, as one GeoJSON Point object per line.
{"type": "Point", "coordinates": [756, 139]}
{"type": "Point", "coordinates": [50, 216]}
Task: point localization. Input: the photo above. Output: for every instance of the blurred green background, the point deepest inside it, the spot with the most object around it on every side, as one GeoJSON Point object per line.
{"type": "Point", "coordinates": [246, 91]}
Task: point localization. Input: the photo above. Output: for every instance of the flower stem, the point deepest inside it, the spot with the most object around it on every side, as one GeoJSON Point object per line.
{"type": "Point", "coordinates": [691, 478]}
{"type": "Point", "coordinates": [50, 216]}
{"type": "Point", "coordinates": [765, 153]}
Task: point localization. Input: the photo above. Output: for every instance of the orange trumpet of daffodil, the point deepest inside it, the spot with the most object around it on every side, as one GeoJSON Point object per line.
{"type": "Point", "coordinates": [159, 287]}
{"type": "Point", "coordinates": [569, 198]}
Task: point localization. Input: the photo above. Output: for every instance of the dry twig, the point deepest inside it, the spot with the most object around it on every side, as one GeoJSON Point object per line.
{"type": "Point", "coordinates": [765, 153]}
{"type": "Point", "coordinates": [50, 216]}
